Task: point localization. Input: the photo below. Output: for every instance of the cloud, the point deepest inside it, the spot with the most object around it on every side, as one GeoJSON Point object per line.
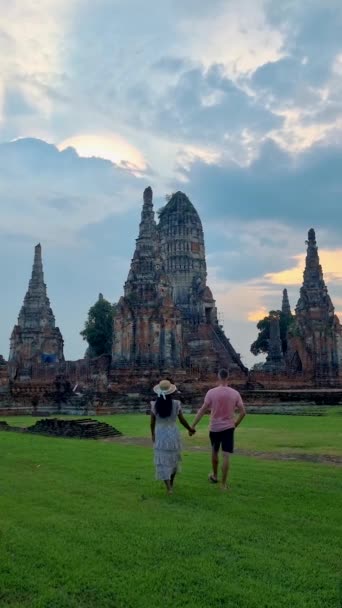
{"type": "Point", "coordinates": [31, 39]}
{"type": "Point", "coordinates": [209, 106]}
{"type": "Point", "coordinates": [235, 34]}
{"type": "Point", "coordinates": [256, 314]}
{"type": "Point", "coordinates": [170, 64]}
{"type": "Point", "coordinates": [188, 95]}
{"type": "Point", "coordinates": [331, 262]}
{"type": "Point", "coordinates": [108, 146]}
{"type": "Point", "coordinates": [247, 249]}
{"type": "Point", "coordinates": [15, 103]}
{"type": "Point", "coordinates": [54, 194]}
{"type": "Point", "coordinates": [304, 80]}
{"type": "Point", "coordinates": [303, 191]}
{"type": "Point", "coordinates": [238, 103]}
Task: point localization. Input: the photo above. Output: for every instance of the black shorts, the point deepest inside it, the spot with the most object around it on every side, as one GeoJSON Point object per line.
{"type": "Point", "coordinates": [224, 439]}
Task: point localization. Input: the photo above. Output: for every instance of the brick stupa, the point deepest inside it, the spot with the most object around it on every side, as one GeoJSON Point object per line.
{"type": "Point", "coordinates": [36, 339]}
{"type": "Point", "coordinates": [315, 337]}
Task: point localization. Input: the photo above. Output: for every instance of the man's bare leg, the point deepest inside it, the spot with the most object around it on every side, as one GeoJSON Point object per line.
{"type": "Point", "coordinates": [225, 469]}
{"type": "Point", "coordinates": [215, 463]}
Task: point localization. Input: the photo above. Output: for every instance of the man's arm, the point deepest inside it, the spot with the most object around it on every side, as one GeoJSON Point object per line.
{"type": "Point", "coordinates": [153, 426]}
{"type": "Point", "coordinates": [200, 414]}
{"type": "Point", "coordinates": [242, 412]}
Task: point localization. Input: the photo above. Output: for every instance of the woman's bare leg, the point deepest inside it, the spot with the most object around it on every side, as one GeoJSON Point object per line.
{"type": "Point", "coordinates": [173, 477]}
{"type": "Point", "coordinates": [168, 486]}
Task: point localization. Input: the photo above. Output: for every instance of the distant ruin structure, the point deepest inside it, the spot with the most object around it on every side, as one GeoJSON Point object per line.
{"type": "Point", "coordinates": [285, 306]}
{"type": "Point", "coordinates": [166, 324]}
{"type": "Point", "coordinates": [315, 336]}
{"type": "Point", "coordinates": [36, 339]}
{"type": "Point", "coordinates": [275, 359]}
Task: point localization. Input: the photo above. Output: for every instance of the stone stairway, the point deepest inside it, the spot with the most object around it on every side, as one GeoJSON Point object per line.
{"type": "Point", "coordinates": [223, 348]}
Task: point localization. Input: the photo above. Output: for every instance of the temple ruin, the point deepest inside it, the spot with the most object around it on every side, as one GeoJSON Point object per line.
{"type": "Point", "coordinates": [167, 317]}
{"type": "Point", "coordinates": [35, 339]}
{"type": "Point", "coordinates": [166, 323]}
{"type": "Point", "coordinates": [315, 337]}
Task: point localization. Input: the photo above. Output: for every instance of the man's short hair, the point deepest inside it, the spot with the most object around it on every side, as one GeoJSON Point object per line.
{"type": "Point", "coordinates": [223, 374]}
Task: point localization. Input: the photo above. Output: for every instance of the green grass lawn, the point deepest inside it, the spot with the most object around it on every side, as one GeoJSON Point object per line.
{"type": "Point", "coordinates": [296, 434]}
{"type": "Point", "coordinates": [83, 524]}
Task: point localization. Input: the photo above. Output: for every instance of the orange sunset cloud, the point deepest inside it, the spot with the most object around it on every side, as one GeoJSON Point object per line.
{"type": "Point", "coordinates": [331, 261]}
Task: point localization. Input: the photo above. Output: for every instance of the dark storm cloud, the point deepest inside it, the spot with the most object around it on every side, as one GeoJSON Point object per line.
{"type": "Point", "coordinates": [301, 191]}
{"type": "Point", "coordinates": [52, 193]}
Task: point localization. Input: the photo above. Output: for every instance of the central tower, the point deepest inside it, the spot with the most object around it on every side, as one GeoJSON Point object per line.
{"type": "Point", "coordinates": [147, 324]}
{"type": "Point", "coordinates": [183, 254]}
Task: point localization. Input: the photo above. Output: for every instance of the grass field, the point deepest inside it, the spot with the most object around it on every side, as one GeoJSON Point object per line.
{"type": "Point", "coordinates": [83, 524]}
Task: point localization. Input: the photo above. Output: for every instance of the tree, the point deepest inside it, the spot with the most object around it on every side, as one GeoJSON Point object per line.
{"type": "Point", "coordinates": [261, 343]}
{"type": "Point", "coordinates": [98, 328]}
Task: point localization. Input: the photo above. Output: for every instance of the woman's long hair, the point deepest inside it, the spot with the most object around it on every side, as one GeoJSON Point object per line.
{"type": "Point", "coordinates": [164, 406]}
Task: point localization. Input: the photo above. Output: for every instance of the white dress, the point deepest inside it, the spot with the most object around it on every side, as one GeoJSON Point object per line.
{"type": "Point", "coordinates": [167, 445]}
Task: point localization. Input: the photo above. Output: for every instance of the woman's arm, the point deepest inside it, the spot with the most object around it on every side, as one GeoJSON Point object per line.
{"type": "Point", "coordinates": [153, 426]}
{"type": "Point", "coordinates": [184, 422]}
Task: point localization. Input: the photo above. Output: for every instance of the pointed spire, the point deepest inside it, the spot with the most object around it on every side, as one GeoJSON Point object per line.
{"type": "Point", "coordinates": [36, 308]}
{"type": "Point", "coordinates": [148, 226]}
{"type": "Point", "coordinates": [314, 292]}
{"type": "Point", "coordinates": [35, 337]}
{"type": "Point", "coordinates": [147, 222]}
{"type": "Point", "coordinates": [148, 196]}
{"type": "Point", "coordinates": [313, 270]}
{"type": "Point", "coordinates": [37, 277]}
{"type": "Point", "coordinates": [285, 307]}
{"type": "Point", "coordinates": [312, 236]}
{"type": "Point", "coordinates": [145, 262]}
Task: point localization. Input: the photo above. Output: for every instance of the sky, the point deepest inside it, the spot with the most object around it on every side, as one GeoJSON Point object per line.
{"type": "Point", "coordinates": [238, 103]}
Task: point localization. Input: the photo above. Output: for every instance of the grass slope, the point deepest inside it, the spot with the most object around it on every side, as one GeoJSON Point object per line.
{"type": "Point", "coordinates": [83, 524]}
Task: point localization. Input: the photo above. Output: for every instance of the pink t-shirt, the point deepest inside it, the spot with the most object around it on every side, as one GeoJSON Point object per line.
{"type": "Point", "coordinates": [222, 401]}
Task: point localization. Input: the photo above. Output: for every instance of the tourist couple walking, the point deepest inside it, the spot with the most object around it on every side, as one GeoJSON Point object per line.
{"type": "Point", "coordinates": [222, 401]}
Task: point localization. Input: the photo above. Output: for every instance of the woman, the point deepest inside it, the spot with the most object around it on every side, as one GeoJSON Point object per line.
{"type": "Point", "coordinates": [165, 434]}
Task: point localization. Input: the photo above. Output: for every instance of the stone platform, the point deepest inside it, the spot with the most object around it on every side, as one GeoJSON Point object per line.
{"type": "Point", "coordinates": [84, 428]}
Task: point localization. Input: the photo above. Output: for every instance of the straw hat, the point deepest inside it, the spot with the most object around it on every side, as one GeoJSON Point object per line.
{"type": "Point", "coordinates": [164, 388]}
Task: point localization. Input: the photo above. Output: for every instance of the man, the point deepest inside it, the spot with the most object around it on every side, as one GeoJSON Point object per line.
{"type": "Point", "coordinates": [222, 401]}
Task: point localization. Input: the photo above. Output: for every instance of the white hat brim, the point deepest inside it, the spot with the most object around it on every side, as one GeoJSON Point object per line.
{"type": "Point", "coordinates": [171, 390]}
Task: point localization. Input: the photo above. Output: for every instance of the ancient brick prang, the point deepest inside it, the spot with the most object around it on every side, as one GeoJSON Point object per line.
{"type": "Point", "coordinates": [315, 337]}
{"type": "Point", "coordinates": [285, 306]}
{"type": "Point", "coordinates": [147, 325]}
{"type": "Point", "coordinates": [36, 339]}
{"type": "Point", "coordinates": [167, 318]}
